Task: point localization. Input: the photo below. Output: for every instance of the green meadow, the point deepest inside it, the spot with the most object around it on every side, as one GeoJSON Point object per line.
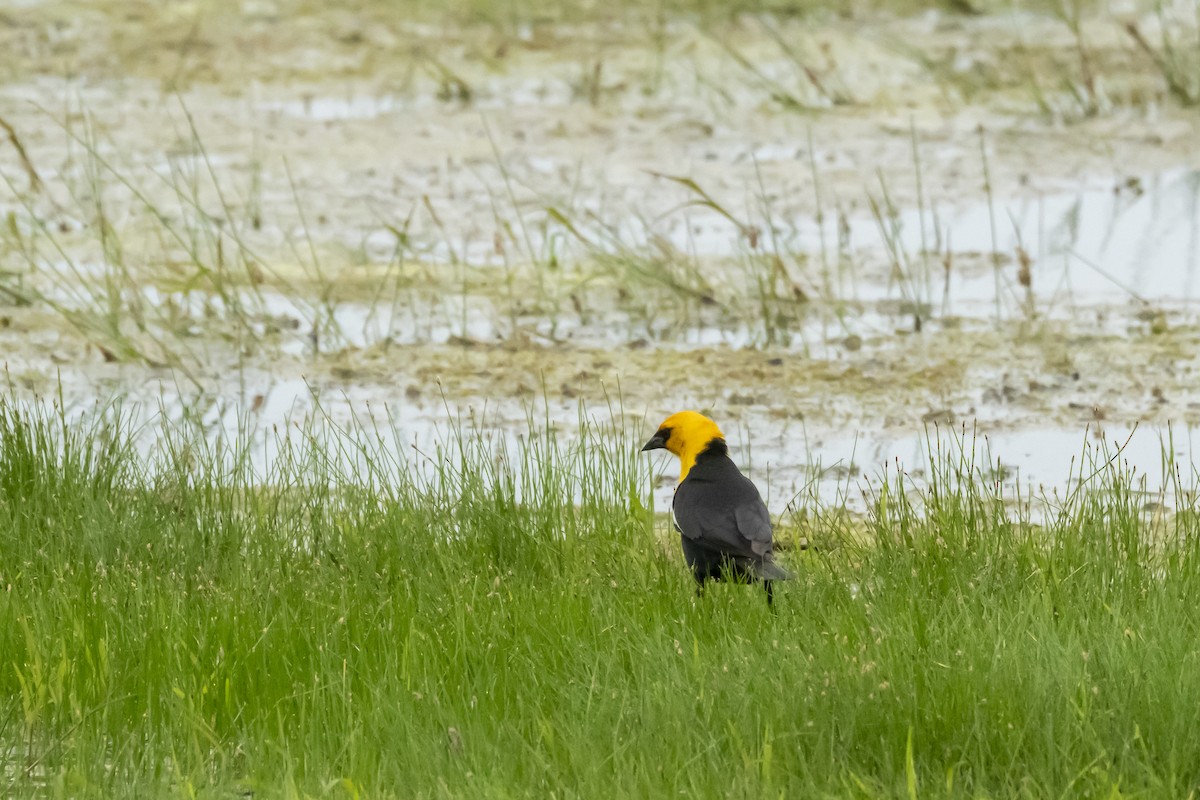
{"type": "Point", "coordinates": [513, 620]}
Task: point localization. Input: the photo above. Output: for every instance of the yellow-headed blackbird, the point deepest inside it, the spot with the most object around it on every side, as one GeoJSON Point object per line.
{"type": "Point", "coordinates": [722, 520]}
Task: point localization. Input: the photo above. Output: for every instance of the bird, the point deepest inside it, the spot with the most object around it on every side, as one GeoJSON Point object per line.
{"type": "Point", "coordinates": [723, 523]}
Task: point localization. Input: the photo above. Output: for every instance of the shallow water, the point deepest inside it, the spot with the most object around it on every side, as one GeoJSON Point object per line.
{"type": "Point", "coordinates": [797, 463]}
{"type": "Point", "coordinates": [535, 250]}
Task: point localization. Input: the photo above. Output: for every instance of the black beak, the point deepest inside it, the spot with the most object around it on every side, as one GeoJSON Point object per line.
{"type": "Point", "coordinates": [658, 441]}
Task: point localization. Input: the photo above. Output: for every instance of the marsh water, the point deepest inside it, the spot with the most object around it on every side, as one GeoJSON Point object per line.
{"type": "Point", "coordinates": [845, 251]}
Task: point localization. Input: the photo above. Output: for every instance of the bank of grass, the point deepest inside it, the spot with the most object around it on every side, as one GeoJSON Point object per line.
{"type": "Point", "coordinates": [502, 622]}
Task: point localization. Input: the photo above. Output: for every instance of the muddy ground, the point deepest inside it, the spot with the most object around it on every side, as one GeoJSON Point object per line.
{"type": "Point", "coordinates": [834, 234]}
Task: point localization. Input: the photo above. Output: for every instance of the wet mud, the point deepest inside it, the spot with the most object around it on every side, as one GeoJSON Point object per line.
{"type": "Point", "coordinates": [833, 243]}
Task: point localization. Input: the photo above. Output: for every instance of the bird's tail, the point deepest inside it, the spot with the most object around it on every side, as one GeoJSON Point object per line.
{"type": "Point", "coordinates": [770, 571]}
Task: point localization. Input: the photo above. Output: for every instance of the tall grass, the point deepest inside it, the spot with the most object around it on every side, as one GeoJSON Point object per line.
{"type": "Point", "coordinates": [499, 620]}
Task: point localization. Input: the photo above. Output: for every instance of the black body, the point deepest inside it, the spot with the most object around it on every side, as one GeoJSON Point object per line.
{"type": "Point", "coordinates": [723, 522]}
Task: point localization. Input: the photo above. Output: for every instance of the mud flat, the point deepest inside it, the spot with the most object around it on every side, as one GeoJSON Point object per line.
{"type": "Point", "coordinates": [839, 244]}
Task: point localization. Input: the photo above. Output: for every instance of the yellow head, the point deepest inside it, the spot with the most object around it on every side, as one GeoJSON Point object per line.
{"type": "Point", "coordinates": [685, 434]}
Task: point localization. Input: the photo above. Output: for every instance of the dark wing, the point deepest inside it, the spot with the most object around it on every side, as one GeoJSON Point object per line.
{"type": "Point", "coordinates": [754, 523]}
{"type": "Point", "coordinates": [726, 516]}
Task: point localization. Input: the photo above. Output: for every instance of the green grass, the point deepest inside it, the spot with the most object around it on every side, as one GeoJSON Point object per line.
{"type": "Point", "coordinates": [353, 623]}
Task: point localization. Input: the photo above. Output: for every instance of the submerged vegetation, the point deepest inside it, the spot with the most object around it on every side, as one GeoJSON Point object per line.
{"type": "Point", "coordinates": [255, 221]}
{"type": "Point", "coordinates": [357, 619]}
